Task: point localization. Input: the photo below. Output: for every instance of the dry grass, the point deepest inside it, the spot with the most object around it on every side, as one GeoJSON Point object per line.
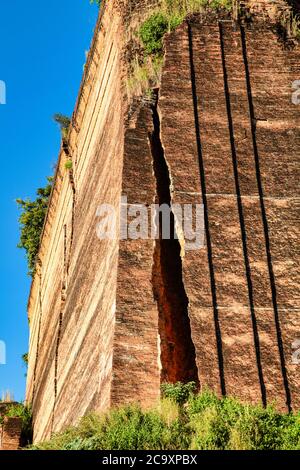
{"type": "Point", "coordinates": [144, 76]}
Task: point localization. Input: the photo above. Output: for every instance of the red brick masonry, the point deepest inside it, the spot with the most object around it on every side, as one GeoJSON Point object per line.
{"type": "Point", "coordinates": [110, 320]}
{"type": "Point", "coordinates": [10, 434]}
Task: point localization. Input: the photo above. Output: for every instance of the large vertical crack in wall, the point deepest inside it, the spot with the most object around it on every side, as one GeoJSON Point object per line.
{"type": "Point", "coordinates": [72, 183]}
{"type": "Point", "coordinates": [239, 280]}
{"type": "Point", "coordinates": [178, 357]}
{"type": "Point", "coordinates": [97, 312]}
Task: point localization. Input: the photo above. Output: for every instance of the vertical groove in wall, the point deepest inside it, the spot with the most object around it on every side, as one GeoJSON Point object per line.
{"type": "Point", "coordinates": [206, 216]}
{"type": "Point", "coordinates": [60, 321]}
{"type": "Point", "coordinates": [242, 222]}
{"type": "Point", "coordinates": [39, 329]}
{"type": "Point", "coordinates": [65, 248]}
{"type": "Point", "coordinates": [66, 266]}
{"type": "Point", "coordinates": [265, 222]}
{"type": "Point", "coordinates": [68, 258]}
{"type": "Point", "coordinates": [56, 367]}
{"type": "Point", "coordinates": [178, 355]}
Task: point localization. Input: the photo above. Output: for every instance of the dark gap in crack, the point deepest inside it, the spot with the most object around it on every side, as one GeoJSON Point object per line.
{"type": "Point", "coordinates": [178, 355]}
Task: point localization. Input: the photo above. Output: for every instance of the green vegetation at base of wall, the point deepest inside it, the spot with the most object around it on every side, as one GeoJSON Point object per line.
{"type": "Point", "coordinates": [183, 421]}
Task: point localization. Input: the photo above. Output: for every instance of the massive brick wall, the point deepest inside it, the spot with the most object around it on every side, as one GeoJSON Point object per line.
{"type": "Point", "coordinates": [72, 300]}
{"type": "Point", "coordinates": [111, 319]}
{"type": "Point", "coordinates": [241, 130]}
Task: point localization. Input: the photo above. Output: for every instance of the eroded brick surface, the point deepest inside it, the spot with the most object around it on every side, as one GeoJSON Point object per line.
{"type": "Point", "coordinates": [248, 154]}
{"type": "Point", "coordinates": [101, 329]}
{"type": "Point", "coordinates": [10, 434]}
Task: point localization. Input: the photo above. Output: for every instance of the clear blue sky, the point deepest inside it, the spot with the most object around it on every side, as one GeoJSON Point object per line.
{"type": "Point", "coordinates": [42, 53]}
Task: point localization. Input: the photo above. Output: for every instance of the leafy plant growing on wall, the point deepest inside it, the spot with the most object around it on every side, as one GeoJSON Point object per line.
{"type": "Point", "coordinates": [25, 362]}
{"type": "Point", "coordinates": [64, 123]}
{"type": "Point", "coordinates": [69, 164]}
{"type": "Point", "coordinates": [169, 14]}
{"type": "Point", "coordinates": [25, 359]}
{"type": "Point", "coordinates": [31, 221]}
{"type": "Point", "coordinates": [152, 32]}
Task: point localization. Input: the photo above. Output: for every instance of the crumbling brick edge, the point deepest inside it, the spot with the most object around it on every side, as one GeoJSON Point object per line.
{"type": "Point", "coordinates": [10, 434]}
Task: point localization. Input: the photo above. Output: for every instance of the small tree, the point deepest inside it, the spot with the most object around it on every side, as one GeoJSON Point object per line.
{"type": "Point", "coordinates": [152, 32]}
{"type": "Point", "coordinates": [64, 123]}
{"type": "Point", "coordinates": [32, 221]}
{"type": "Point", "coordinates": [25, 359]}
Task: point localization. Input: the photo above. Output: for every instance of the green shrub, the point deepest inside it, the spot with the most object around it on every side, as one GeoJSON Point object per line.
{"type": "Point", "coordinates": [217, 4]}
{"type": "Point", "coordinates": [291, 432]}
{"type": "Point", "coordinates": [179, 392]}
{"type": "Point", "coordinates": [262, 428]}
{"type": "Point", "coordinates": [228, 424]}
{"type": "Point", "coordinates": [64, 123]}
{"type": "Point", "coordinates": [201, 421]}
{"type": "Point", "coordinates": [25, 359]}
{"type": "Point", "coordinates": [198, 403]}
{"type": "Point", "coordinates": [69, 165]}
{"type": "Point", "coordinates": [127, 428]}
{"type": "Point", "coordinates": [32, 221]}
{"type": "Point", "coordinates": [152, 32]}
{"type": "Point", "coordinates": [170, 15]}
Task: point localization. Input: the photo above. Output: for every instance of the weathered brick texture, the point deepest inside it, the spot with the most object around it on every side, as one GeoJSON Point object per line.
{"type": "Point", "coordinates": [244, 286]}
{"type": "Point", "coordinates": [107, 324]}
{"type": "Point", "coordinates": [10, 434]}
